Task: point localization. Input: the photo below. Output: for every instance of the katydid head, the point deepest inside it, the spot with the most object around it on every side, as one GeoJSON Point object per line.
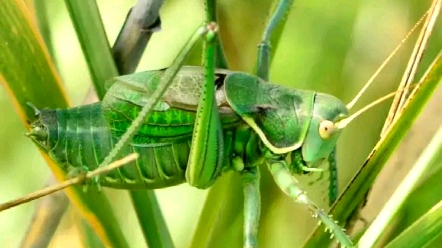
{"type": "Point", "coordinates": [39, 129]}
{"type": "Point", "coordinates": [287, 119]}
{"type": "Point", "coordinates": [330, 116]}
{"type": "Point", "coordinates": [323, 133]}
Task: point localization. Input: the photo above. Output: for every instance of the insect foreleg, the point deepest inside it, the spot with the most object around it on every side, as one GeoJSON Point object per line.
{"type": "Point", "coordinates": [333, 178]}
{"type": "Point", "coordinates": [211, 16]}
{"type": "Point", "coordinates": [252, 206]}
{"type": "Point", "coordinates": [298, 166]}
{"type": "Point", "coordinates": [278, 167]}
{"type": "Point", "coordinates": [277, 19]}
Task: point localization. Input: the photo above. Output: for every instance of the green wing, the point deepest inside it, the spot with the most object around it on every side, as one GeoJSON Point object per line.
{"type": "Point", "coordinates": [174, 116]}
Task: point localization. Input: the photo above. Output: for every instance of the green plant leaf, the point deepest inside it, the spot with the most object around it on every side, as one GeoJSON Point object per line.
{"type": "Point", "coordinates": [20, 42]}
{"type": "Point", "coordinates": [425, 230]}
{"type": "Point", "coordinates": [93, 40]}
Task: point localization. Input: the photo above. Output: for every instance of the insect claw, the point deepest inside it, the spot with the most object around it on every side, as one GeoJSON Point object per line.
{"type": "Point", "coordinates": [96, 180]}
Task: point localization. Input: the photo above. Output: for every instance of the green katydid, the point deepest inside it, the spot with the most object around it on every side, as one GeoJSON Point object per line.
{"type": "Point", "coordinates": [270, 123]}
{"type": "Point", "coordinates": [246, 123]}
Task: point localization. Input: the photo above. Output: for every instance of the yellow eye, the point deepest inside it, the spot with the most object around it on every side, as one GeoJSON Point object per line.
{"type": "Point", "coordinates": [326, 129]}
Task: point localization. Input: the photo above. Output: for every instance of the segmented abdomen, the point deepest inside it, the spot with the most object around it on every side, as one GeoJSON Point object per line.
{"type": "Point", "coordinates": [80, 138]}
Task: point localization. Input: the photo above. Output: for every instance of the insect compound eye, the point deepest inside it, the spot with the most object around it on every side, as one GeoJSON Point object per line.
{"type": "Point", "coordinates": [326, 129]}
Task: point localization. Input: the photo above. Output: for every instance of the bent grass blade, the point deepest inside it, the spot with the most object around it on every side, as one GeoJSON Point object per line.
{"type": "Point", "coordinates": [378, 156]}
{"type": "Point", "coordinates": [72, 181]}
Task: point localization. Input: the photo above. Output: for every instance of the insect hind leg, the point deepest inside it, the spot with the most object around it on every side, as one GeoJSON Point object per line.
{"type": "Point", "coordinates": [290, 186]}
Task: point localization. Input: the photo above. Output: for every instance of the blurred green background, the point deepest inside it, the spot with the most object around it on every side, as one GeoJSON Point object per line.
{"type": "Point", "coordinates": [328, 46]}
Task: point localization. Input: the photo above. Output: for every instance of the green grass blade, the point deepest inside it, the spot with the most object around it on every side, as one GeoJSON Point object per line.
{"type": "Point", "coordinates": [43, 24]}
{"type": "Point", "coordinates": [88, 236]}
{"type": "Point", "coordinates": [384, 218]}
{"type": "Point", "coordinates": [423, 232]}
{"type": "Point", "coordinates": [90, 31]}
{"type": "Point", "coordinates": [357, 189]}
{"type": "Point", "coordinates": [419, 203]}
{"type": "Point", "coordinates": [426, 160]}
{"type": "Point", "coordinates": [87, 21]}
{"type": "Point", "coordinates": [222, 215]}
{"type": "Point", "coordinates": [151, 218]}
{"type": "Point", "coordinates": [34, 81]}
{"type": "Point", "coordinates": [50, 210]}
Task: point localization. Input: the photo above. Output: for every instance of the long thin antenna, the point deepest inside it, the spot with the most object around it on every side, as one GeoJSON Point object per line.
{"type": "Point", "coordinates": [36, 110]}
{"type": "Point", "coordinates": [356, 98]}
{"type": "Point", "coordinates": [413, 63]}
{"type": "Point", "coordinates": [344, 122]}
